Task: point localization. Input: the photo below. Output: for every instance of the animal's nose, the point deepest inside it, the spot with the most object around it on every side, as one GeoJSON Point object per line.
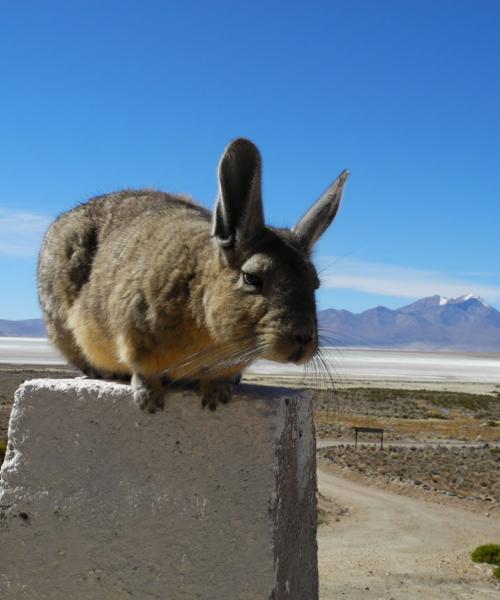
{"type": "Point", "coordinates": [304, 338]}
{"type": "Point", "coordinates": [304, 345]}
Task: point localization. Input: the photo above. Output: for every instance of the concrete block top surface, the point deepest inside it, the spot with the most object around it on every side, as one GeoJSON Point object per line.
{"type": "Point", "coordinates": [127, 504]}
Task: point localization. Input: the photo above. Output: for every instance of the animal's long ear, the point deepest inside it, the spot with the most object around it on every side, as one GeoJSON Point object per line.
{"type": "Point", "coordinates": [238, 215]}
{"type": "Point", "coordinates": [319, 217]}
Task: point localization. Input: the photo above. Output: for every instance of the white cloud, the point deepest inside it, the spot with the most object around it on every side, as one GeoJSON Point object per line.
{"type": "Point", "coordinates": [21, 232]}
{"type": "Point", "coordinates": [402, 282]}
{"type": "Point", "coordinates": [482, 274]}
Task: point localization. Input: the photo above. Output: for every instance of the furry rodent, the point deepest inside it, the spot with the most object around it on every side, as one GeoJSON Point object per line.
{"type": "Point", "coordinates": [146, 284]}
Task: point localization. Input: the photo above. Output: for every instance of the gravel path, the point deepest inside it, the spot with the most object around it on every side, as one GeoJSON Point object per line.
{"type": "Point", "coordinates": [400, 548]}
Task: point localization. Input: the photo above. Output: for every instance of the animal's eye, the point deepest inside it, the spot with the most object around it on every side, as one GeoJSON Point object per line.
{"type": "Point", "coordinates": [253, 280]}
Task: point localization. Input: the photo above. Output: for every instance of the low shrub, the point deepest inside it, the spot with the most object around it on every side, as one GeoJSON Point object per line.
{"type": "Point", "coordinates": [488, 553]}
{"type": "Point", "coordinates": [496, 572]}
{"type": "Point", "coordinates": [435, 414]}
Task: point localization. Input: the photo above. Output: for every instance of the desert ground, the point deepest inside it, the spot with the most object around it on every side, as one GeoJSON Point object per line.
{"type": "Point", "coordinates": [397, 523]}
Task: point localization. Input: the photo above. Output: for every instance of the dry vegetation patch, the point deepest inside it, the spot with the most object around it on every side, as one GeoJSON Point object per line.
{"type": "Point", "coordinates": [465, 472]}
{"type": "Point", "coordinates": [408, 404]}
{"type": "Point", "coordinates": [407, 414]}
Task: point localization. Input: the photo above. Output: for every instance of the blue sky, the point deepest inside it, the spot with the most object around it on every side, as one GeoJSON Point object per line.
{"type": "Point", "coordinates": [97, 96]}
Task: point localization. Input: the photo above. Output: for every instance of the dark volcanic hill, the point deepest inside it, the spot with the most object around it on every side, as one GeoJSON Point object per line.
{"type": "Point", "coordinates": [435, 323]}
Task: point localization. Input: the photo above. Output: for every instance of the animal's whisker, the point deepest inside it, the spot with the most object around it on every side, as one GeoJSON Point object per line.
{"type": "Point", "coordinates": [333, 354]}
{"type": "Point", "coordinates": [210, 370]}
{"type": "Point", "coordinates": [225, 358]}
{"type": "Point", "coordinates": [208, 352]}
{"type": "Point", "coordinates": [337, 336]}
{"type": "Point", "coordinates": [336, 260]}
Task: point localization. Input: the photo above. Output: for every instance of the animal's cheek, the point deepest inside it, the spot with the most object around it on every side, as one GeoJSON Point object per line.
{"type": "Point", "coordinates": [258, 309]}
{"type": "Point", "coordinates": [272, 322]}
{"type": "Point", "coordinates": [236, 315]}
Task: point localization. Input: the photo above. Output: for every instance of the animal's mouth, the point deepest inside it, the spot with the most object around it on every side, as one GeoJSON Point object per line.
{"type": "Point", "coordinates": [297, 356]}
{"type": "Point", "coordinates": [292, 348]}
{"type": "Point", "coordinates": [301, 349]}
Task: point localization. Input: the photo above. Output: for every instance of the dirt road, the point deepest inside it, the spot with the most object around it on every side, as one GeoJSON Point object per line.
{"type": "Point", "coordinates": [395, 547]}
{"type": "Point", "coordinates": [325, 443]}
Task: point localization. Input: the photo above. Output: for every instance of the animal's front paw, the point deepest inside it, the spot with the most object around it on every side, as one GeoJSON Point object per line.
{"type": "Point", "coordinates": [148, 393]}
{"type": "Point", "coordinates": [213, 392]}
{"type": "Point", "coordinates": [92, 373]}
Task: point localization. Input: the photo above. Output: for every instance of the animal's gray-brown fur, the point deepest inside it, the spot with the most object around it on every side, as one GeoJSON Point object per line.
{"type": "Point", "coordinates": [146, 284]}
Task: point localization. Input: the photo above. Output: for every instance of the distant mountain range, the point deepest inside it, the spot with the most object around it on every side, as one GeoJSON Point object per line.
{"type": "Point", "coordinates": [466, 324]}
{"type": "Point", "coordinates": [26, 328]}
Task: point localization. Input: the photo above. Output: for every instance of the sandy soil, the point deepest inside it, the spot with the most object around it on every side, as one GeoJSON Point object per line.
{"type": "Point", "coordinates": [387, 546]}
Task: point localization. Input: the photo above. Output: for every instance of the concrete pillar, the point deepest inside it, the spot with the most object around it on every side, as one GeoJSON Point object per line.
{"type": "Point", "coordinates": [101, 501]}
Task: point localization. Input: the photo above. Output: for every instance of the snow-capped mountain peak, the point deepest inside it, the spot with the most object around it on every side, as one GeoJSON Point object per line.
{"type": "Point", "coordinates": [464, 323]}
{"type": "Point", "coordinates": [466, 298]}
